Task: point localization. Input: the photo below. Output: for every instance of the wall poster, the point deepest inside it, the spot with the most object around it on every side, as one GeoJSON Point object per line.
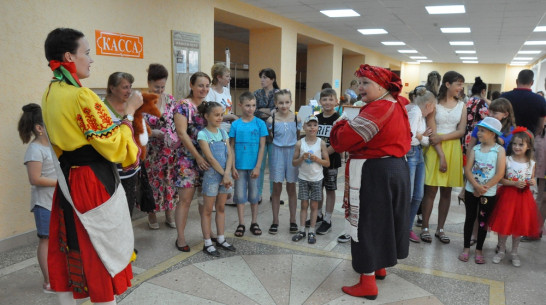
{"type": "Point", "coordinates": [186, 61]}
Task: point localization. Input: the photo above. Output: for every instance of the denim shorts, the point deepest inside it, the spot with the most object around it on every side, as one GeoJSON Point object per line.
{"type": "Point", "coordinates": [211, 184]}
{"type": "Point", "coordinates": [41, 217]}
{"type": "Point", "coordinates": [246, 188]}
{"type": "Point", "coordinates": [280, 165]}
{"type": "Point", "coordinates": [330, 178]}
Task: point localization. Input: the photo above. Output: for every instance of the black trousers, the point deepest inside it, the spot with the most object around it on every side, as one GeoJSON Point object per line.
{"type": "Point", "coordinates": [481, 208]}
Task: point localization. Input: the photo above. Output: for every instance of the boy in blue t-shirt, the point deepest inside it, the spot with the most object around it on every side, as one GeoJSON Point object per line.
{"type": "Point", "coordinates": [247, 139]}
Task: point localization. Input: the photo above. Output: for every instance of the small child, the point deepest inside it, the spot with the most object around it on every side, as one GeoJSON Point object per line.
{"type": "Point", "coordinates": [284, 126]}
{"type": "Point", "coordinates": [42, 177]}
{"type": "Point", "coordinates": [217, 179]}
{"type": "Point", "coordinates": [310, 154]}
{"type": "Point", "coordinates": [483, 170]}
{"type": "Point", "coordinates": [516, 212]}
{"type": "Point", "coordinates": [423, 102]}
{"type": "Point", "coordinates": [247, 138]}
{"type": "Point", "coordinates": [326, 119]}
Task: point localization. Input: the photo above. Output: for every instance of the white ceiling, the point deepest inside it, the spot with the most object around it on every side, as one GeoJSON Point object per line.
{"type": "Point", "coordinates": [499, 27]}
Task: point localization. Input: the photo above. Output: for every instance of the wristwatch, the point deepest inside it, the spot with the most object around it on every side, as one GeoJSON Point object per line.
{"type": "Point", "coordinates": [129, 118]}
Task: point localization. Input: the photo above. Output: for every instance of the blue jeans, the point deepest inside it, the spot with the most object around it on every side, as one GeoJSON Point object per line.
{"type": "Point", "coordinates": [416, 164]}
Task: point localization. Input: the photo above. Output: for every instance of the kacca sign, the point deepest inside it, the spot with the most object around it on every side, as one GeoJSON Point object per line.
{"type": "Point", "coordinates": [116, 44]}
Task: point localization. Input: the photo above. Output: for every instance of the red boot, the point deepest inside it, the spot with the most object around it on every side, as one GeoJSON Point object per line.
{"type": "Point", "coordinates": [365, 288]}
{"type": "Point", "coordinates": [381, 274]}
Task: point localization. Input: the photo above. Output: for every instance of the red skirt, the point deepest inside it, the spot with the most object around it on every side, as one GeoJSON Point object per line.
{"type": "Point", "coordinates": [515, 212]}
{"type": "Point", "coordinates": [81, 271]}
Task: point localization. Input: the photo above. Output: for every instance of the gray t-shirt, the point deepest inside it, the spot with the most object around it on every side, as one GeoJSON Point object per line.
{"type": "Point", "coordinates": [41, 195]}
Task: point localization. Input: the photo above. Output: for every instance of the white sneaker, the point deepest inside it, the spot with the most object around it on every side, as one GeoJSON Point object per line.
{"type": "Point", "coordinates": [498, 257]}
{"type": "Point", "coordinates": [515, 260]}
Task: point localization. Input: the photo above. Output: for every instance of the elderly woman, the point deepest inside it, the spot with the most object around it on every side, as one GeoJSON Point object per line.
{"type": "Point", "coordinates": [118, 91]}
{"type": "Point", "coordinates": [265, 104]}
{"type": "Point", "coordinates": [88, 144]}
{"type": "Point", "coordinates": [377, 183]}
{"type": "Point", "coordinates": [160, 163]}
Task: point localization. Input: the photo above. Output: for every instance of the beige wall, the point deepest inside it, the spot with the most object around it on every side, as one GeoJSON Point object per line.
{"type": "Point", "coordinates": [25, 74]}
{"type": "Point", "coordinates": [320, 68]}
{"type": "Point", "coordinates": [505, 75]}
{"type": "Point", "coordinates": [350, 65]}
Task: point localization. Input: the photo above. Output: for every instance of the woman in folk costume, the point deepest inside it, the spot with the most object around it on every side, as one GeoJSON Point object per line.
{"type": "Point", "coordinates": [377, 183]}
{"type": "Point", "coordinates": [88, 143]}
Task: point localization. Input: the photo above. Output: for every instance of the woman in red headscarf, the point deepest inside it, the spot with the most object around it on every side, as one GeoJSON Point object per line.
{"type": "Point", "coordinates": [377, 183]}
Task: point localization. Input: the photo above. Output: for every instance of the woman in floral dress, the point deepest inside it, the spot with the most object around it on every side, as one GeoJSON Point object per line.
{"type": "Point", "coordinates": [160, 160]}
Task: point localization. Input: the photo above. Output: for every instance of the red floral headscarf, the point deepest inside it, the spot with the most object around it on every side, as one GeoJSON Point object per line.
{"type": "Point", "coordinates": [382, 77]}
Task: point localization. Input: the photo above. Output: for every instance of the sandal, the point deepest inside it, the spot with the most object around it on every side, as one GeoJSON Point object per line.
{"type": "Point", "coordinates": [311, 238]}
{"type": "Point", "coordinates": [425, 236]}
{"type": "Point", "coordinates": [240, 232]}
{"type": "Point", "coordinates": [226, 246]}
{"type": "Point", "coordinates": [255, 229]}
{"type": "Point", "coordinates": [479, 259]}
{"type": "Point", "coordinates": [299, 236]}
{"type": "Point", "coordinates": [274, 229]}
{"type": "Point", "coordinates": [463, 257]}
{"type": "Point", "coordinates": [293, 228]}
{"type": "Point", "coordinates": [210, 250]}
{"type": "Point", "coordinates": [442, 236]}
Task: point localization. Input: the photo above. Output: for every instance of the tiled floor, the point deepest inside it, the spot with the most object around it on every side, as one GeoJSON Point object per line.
{"type": "Point", "coordinates": [271, 269]}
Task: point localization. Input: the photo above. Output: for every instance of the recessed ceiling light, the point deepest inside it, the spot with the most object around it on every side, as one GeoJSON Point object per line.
{"type": "Point", "coordinates": [465, 52]}
{"type": "Point", "coordinates": [470, 61]}
{"type": "Point", "coordinates": [393, 43]}
{"type": "Point", "coordinates": [469, 58]}
{"type": "Point", "coordinates": [535, 42]}
{"type": "Point", "coordinates": [445, 9]}
{"type": "Point", "coordinates": [340, 13]}
{"type": "Point", "coordinates": [418, 57]}
{"type": "Point", "coordinates": [455, 30]}
{"type": "Point", "coordinates": [408, 51]}
{"type": "Point", "coordinates": [518, 63]}
{"type": "Point", "coordinates": [425, 60]}
{"type": "Point", "coordinates": [522, 58]}
{"type": "Point", "coordinates": [529, 52]}
{"type": "Point", "coordinates": [413, 62]}
{"type": "Point", "coordinates": [461, 43]}
{"type": "Point", "coordinates": [540, 29]}
{"type": "Point", "coordinates": [372, 31]}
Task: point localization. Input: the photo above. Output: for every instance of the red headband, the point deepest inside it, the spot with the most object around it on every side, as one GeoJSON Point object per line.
{"type": "Point", "coordinates": [519, 129]}
{"type": "Point", "coordinates": [382, 77]}
{"type": "Point", "coordinates": [69, 66]}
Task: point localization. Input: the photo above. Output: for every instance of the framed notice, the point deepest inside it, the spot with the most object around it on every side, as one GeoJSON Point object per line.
{"type": "Point", "coordinates": [351, 111]}
{"type": "Point", "coordinates": [186, 61]}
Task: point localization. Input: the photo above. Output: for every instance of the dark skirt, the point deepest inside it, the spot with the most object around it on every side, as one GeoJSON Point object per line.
{"type": "Point", "coordinates": [383, 228]}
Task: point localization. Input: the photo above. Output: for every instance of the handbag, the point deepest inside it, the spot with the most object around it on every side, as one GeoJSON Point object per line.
{"type": "Point", "coordinates": [108, 225]}
{"type": "Point", "coordinates": [146, 196]}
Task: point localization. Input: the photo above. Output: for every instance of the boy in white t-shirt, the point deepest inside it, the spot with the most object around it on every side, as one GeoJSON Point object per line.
{"type": "Point", "coordinates": [310, 154]}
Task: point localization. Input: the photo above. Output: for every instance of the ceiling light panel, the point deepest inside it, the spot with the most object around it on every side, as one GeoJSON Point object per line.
{"type": "Point", "coordinates": [408, 51]}
{"type": "Point", "coordinates": [529, 52]}
{"type": "Point", "coordinates": [535, 43]}
{"type": "Point", "coordinates": [470, 61]}
{"type": "Point", "coordinates": [461, 43]}
{"type": "Point", "coordinates": [522, 58]}
{"type": "Point", "coordinates": [372, 31]}
{"type": "Point", "coordinates": [445, 9]}
{"type": "Point", "coordinates": [469, 57]}
{"type": "Point", "coordinates": [418, 57]}
{"type": "Point", "coordinates": [454, 30]}
{"type": "Point", "coordinates": [393, 43]}
{"type": "Point", "coordinates": [340, 13]}
{"type": "Point", "coordinates": [425, 60]}
{"type": "Point", "coordinates": [518, 63]}
{"type": "Point", "coordinates": [540, 29]}
{"type": "Point", "coordinates": [465, 52]}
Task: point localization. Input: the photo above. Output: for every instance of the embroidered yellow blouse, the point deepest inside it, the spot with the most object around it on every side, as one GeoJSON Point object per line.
{"type": "Point", "coordinates": [75, 117]}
